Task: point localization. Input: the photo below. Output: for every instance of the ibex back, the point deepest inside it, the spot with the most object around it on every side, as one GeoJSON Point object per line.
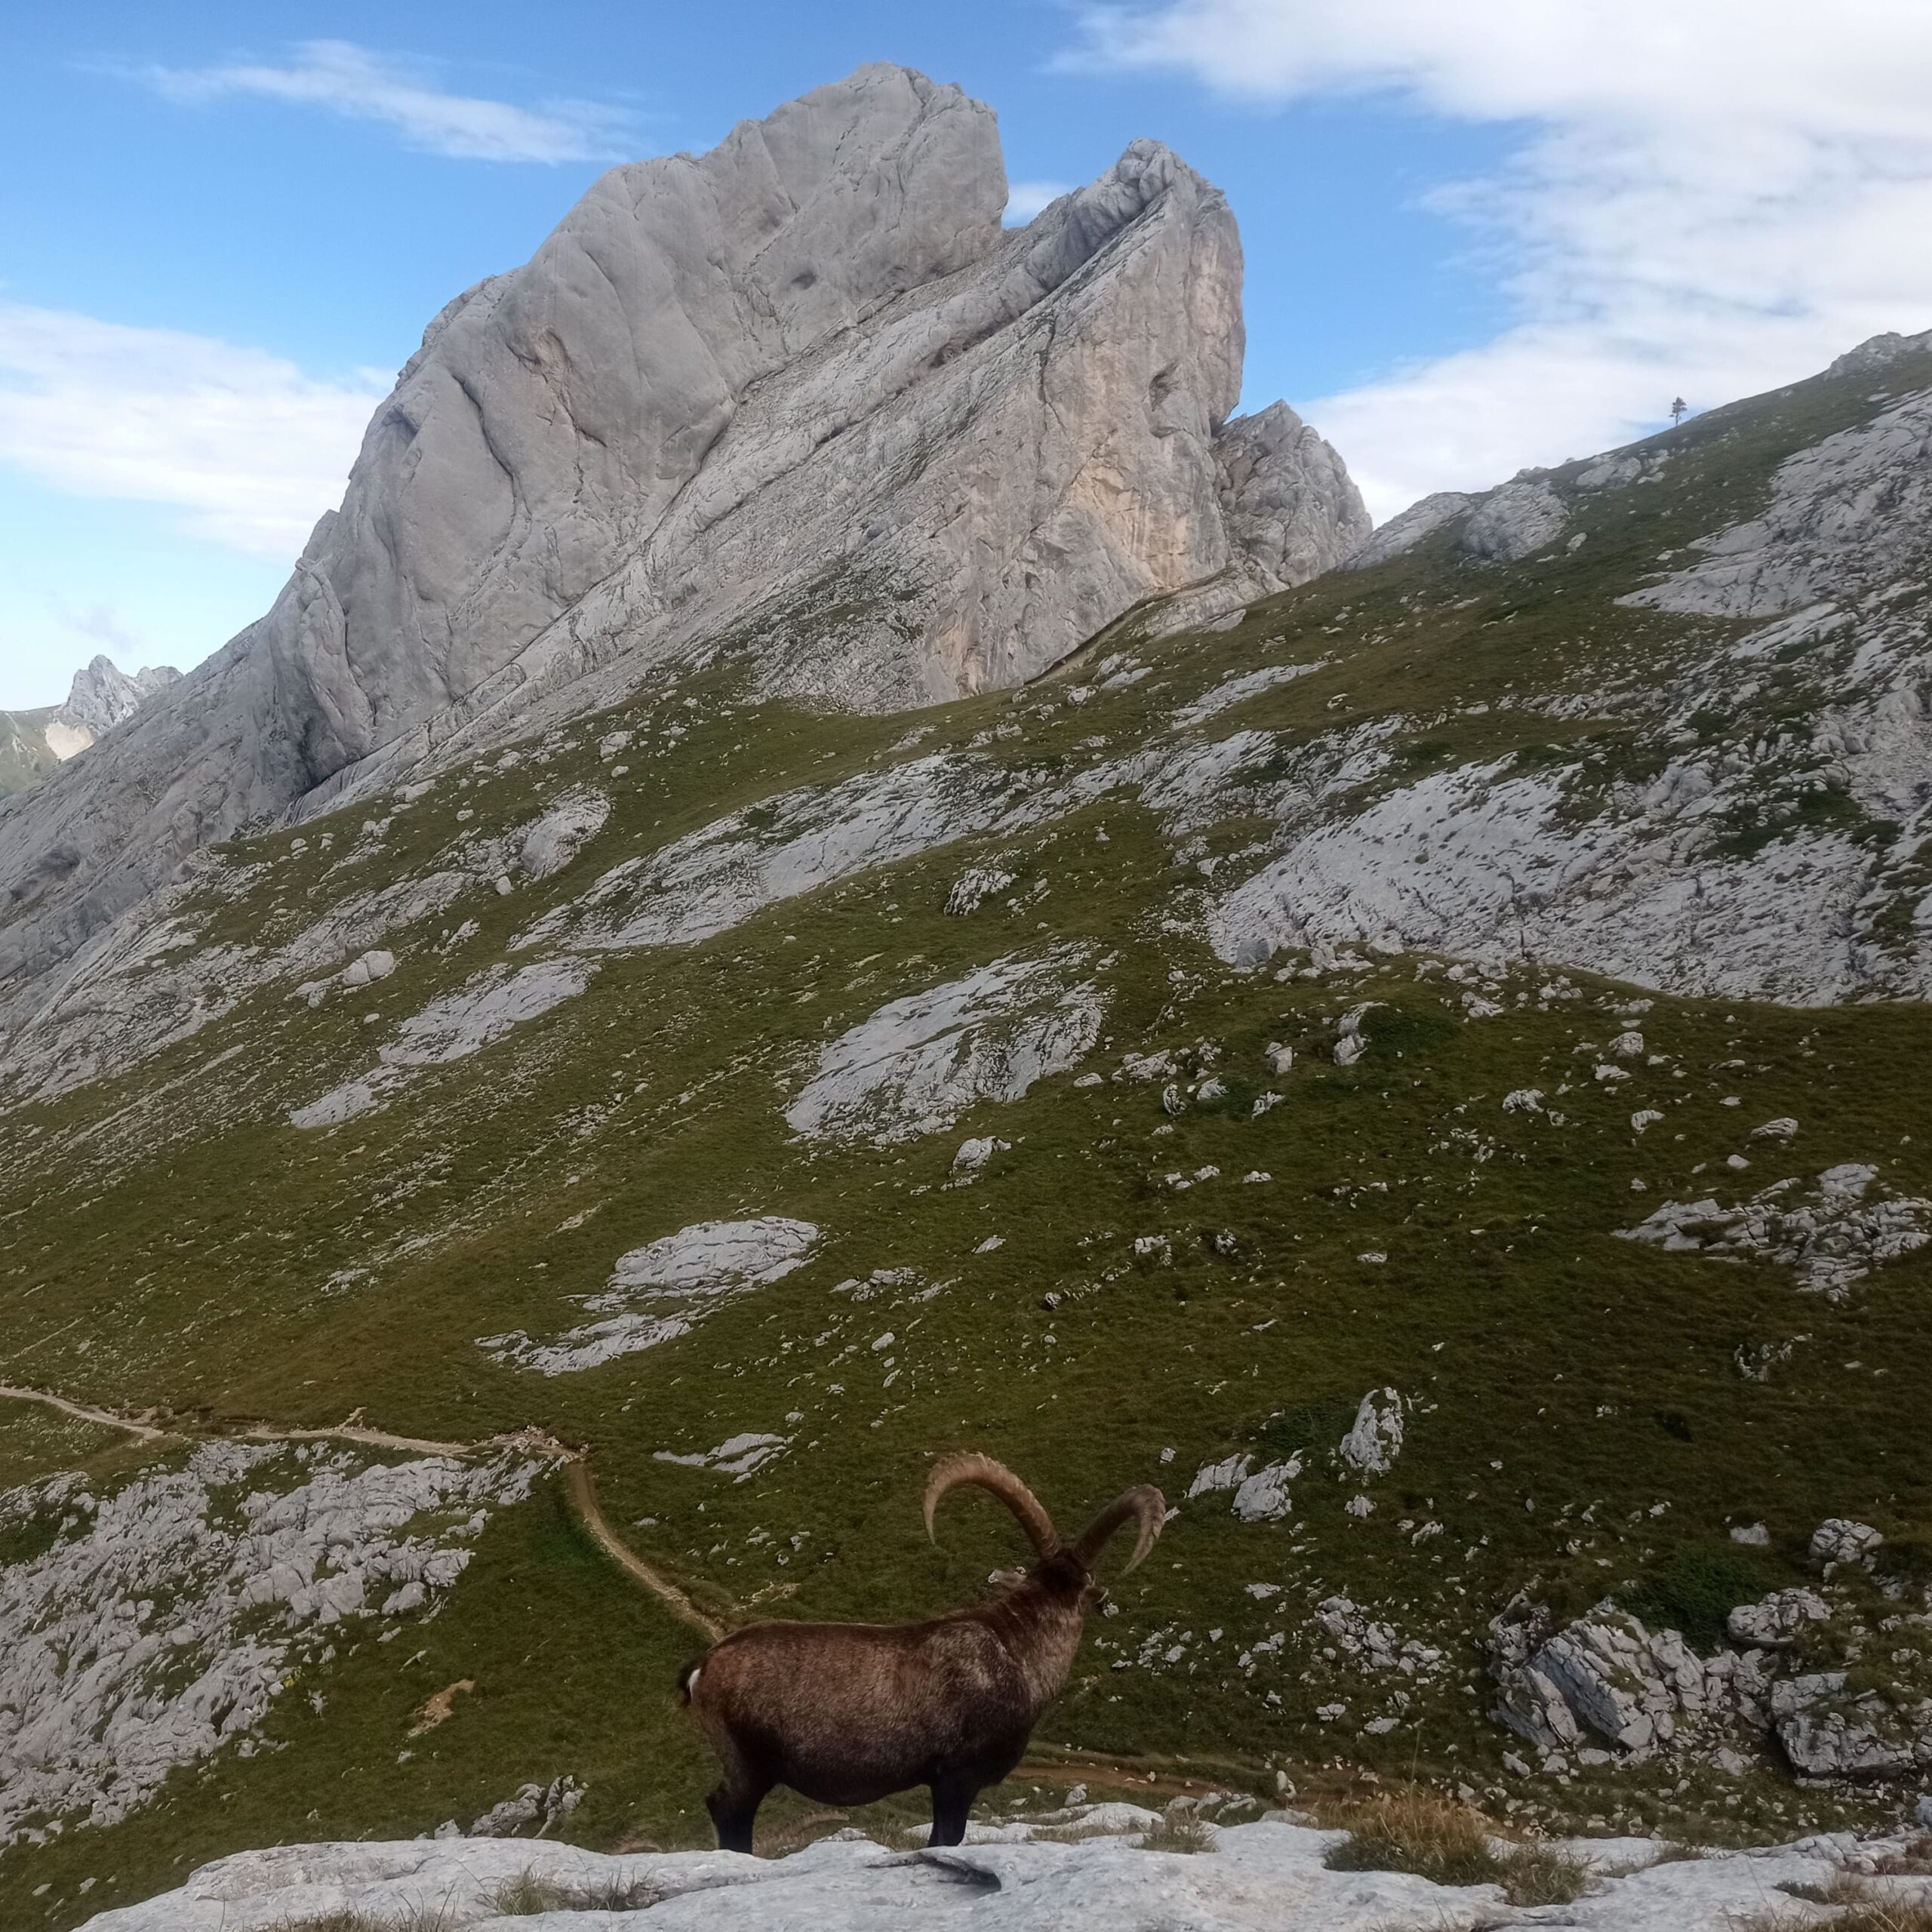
{"type": "Point", "coordinates": [846, 1713]}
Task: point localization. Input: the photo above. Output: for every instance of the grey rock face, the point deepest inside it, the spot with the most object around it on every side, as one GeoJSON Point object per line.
{"type": "Point", "coordinates": [255, 1554]}
{"type": "Point", "coordinates": [799, 396]}
{"type": "Point", "coordinates": [1515, 521]}
{"type": "Point", "coordinates": [1403, 533]}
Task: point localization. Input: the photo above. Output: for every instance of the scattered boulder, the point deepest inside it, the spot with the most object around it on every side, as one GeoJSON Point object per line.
{"type": "Point", "coordinates": [974, 1155]}
{"type": "Point", "coordinates": [1375, 1440]}
{"type": "Point", "coordinates": [1777, 1620]}
{"type": "Point", "coordinates": [553, 841]}
{"type": "Point", "coordinates": [1263, 1497]}
{"type": "Point", "coordinates": [1838, 1542]}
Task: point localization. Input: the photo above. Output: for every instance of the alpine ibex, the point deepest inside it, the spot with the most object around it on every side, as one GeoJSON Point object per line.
{"type": "Point", "coordinates": [847, 1713]}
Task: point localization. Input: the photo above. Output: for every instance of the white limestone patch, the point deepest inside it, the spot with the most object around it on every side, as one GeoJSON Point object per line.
{"type": "Point", "coordinates": [721, 875]}
{"type": "Point", "coordinates": [1238, 689]}
{"type": "Point", "coordinates": [919, 1063]}
{"type": "Point", "coordinates": [461, 1023]}
{"type": "Point", "coordinates": [739, 1456]}
{"type": "Point", "coordinates": [553, 840]}
{"type": "Point", "coordinates": [1266, 1874]}
{"type": "Point", "coordinates": [664, 1290]}
{"type": "Point", "coordinates": [163, 1620]}
{"type": "Point", "coordinates": [1487, 866]}
{"type": "Point", "coordinates": [974, 887]}
{"type": "Point", "coordinates": [1829, 1238]}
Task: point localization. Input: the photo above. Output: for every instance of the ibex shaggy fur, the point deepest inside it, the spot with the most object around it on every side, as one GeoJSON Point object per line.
{"type": "Point", "coordinates": [846, 1713]}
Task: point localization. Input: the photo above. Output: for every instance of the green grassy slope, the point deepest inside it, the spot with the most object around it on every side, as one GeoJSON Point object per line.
{"type": "Point", "coordinates": [1578, 1422]}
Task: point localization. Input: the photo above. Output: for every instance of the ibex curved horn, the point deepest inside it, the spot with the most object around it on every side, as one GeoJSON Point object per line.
{"type": "Point", "coordinates": [1145, 1504]}
{"type": "Point", "coordinates": [952, 1472]}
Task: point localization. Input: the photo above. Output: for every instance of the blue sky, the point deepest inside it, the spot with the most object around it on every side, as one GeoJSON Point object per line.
{"type": "Point", "coordinates": [1470, 245]}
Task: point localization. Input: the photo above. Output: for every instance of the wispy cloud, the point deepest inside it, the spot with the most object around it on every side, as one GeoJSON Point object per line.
{"type": "Point", "coordinates": [1025, 199]}
{"type": "Point", "coordinates": [341, 77]}
{"type": "Point", "coordinates": [1708, 199]}
{"type": "Point", "coordinates": [248, 448]}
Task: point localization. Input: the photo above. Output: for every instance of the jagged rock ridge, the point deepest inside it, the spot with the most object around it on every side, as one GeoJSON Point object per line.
{"type": "Point", "coordinates": [800, 396]}
{"type": "Point", "coordinates": [102, 696]}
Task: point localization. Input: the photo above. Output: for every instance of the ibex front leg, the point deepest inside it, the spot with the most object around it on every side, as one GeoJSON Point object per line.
{"type": "Point", "coordinates": [952, 1804]}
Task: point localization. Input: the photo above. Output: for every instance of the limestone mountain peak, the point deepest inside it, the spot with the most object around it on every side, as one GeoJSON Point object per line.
{"type": "Point", "coordinates": [799, 399]}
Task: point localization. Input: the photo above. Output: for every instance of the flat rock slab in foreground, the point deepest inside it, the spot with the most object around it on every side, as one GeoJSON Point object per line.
{"type": "Point", "coordinates": [1264, 1875]}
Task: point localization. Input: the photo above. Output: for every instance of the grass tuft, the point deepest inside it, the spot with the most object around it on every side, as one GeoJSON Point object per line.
{"type": "Point", "coordinates": [1179, 1831]}
{"type": "Point", "coordinates": [529, 1892]}
{"type": "Point", "coordinates": [1412, 1831]}
{"type": "Point", "coordinates": [412, 1918]}
{"type": "Point", "coordinates": [1451, 1845]}
{"type": "Point", "coordinates": [1544, 1874]}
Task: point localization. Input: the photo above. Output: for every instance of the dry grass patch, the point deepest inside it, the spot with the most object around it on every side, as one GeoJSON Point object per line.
{"type": "Point", "coordinates": [1179, 1831]}
{"type": "Point", "coordinates": [1450, 1844]}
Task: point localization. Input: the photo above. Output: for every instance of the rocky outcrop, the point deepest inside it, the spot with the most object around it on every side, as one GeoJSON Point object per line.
{"type": "Point", "coordinates": [1271, 1873]}
{"type": "Point", "coordinates": [1847, 516]}
{"type": "Point", "coordinates": [1401, 534]}
{"type": "Point", "coordinates": [1607, 1687]}
{"type": "Point", "coordinates": [104, 696]}
{"type": "Point", "coordinates": [1830, 1238]}
{"type": "Point", "coordinates": [799, 397]}
{"type": "Point", "coordinates": [1516, 522]}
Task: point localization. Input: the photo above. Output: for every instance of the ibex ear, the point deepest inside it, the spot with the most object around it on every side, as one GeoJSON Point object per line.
{"type": "Point", "coordinates": [1145, 1505]}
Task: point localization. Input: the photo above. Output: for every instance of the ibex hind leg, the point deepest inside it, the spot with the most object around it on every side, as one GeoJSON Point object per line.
{"type": "Point", "coordinates": [734, 1809]}
{"type": "Point", "coordinates": [952, 1804]}
{"type": "Point", "coordinates": [741, 1788]}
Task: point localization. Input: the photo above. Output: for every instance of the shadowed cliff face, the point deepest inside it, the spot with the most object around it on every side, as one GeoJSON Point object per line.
{"type": "Point", "coordinates": [799, 397]}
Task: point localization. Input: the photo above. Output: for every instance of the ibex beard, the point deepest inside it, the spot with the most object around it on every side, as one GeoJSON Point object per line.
{"type": "Point", "coordinates": [847, 1713]}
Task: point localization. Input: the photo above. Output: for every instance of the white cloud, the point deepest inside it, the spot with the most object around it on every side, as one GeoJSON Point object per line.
{"type": "Point", "coordinates": [1711, 197]}
{"type": "Point", "coordinates": [251, 450]}
{"type": "Point", "coordinates": [342, 77]}
{"type": "Point", "coordinates": [1025, 199]}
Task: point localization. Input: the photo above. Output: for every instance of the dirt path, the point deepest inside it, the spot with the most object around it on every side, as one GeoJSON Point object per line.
{"type": "Point", "coordinates": [145, 1432]}
{"type": "Point", "coordinates": [577, 1481]}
